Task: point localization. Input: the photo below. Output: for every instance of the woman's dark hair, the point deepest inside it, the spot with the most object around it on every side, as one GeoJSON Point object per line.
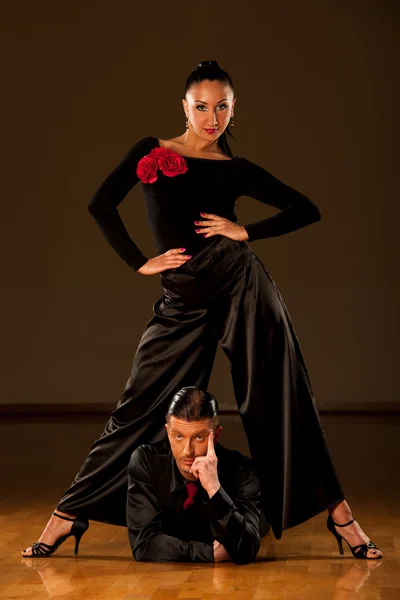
{"type": "Point", "coordinates": [210, 69]}
{"type": "Point", "coordinates": [193, 404]}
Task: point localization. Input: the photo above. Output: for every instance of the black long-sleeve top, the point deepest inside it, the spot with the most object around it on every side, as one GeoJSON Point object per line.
{"type": "Point", "coordinates": [160, 529]}
{"type": "Point", "coordinates": [174, 202]}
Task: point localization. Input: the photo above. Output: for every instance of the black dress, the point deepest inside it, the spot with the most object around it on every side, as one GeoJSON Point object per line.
{"type": "Point", "coordinates": [223, 294]}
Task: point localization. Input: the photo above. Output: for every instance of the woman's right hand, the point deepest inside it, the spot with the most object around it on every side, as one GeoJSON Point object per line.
{"type": "Point", "coordinates": [169, 260]}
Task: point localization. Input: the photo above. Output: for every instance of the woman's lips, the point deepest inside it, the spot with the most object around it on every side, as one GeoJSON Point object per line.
{"type": "Point", "coordinates": [210, 130]}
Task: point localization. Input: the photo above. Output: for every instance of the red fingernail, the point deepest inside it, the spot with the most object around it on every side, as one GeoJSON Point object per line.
{"type": "Point", "coordinates": [182, 248]}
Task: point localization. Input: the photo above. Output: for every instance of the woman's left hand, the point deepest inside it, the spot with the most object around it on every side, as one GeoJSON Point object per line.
{"type": "Point", "coordinates": [216, 225]}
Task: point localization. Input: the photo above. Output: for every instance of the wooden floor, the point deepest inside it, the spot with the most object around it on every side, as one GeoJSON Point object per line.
{"type": "Point", "coordinates": [39, 459]}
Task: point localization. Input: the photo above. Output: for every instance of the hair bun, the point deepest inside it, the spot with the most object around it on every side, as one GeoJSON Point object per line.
{"type": "Point", "coordinates": [208, 63]}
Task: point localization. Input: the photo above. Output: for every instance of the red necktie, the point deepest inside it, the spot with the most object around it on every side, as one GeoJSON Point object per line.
{"type": "Point", "coordinates": [192, 490]}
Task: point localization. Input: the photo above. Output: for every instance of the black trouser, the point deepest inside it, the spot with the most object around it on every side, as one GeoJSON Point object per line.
{"type": "Point", "coordinates": [223, 294]}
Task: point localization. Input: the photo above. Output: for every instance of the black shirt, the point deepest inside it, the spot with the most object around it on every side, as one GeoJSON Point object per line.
{"type": "Point", "coordinates": [173, 203]}
{"type": "Point", "coordinates": [160, 529]}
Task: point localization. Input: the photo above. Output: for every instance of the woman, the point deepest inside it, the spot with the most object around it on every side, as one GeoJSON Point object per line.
{"type": "Point", "coordinates": [215, 290]}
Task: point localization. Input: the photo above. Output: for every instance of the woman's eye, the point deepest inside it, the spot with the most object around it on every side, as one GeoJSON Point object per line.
{"type": "Point", "coordinates": [200, 438]}
{"type": "Point", "coordinates": [219, 106]}
{"type": "Point", "coordinates": [178, 437]}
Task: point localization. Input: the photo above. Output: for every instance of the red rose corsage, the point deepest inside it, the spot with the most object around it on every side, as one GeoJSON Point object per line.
{"type": "Point", "coordinates": [169, 162]}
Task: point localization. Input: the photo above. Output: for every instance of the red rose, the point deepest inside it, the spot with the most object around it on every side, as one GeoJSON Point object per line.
{"type": "Point", "coordinates": [169, 162]}
{"type": "Point", "coordinates": [147, 169]}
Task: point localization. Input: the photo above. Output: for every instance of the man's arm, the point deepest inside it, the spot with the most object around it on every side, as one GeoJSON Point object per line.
{"type": "Point", "coordinates": [143, 516]}
{"type": "Point", "coordinates": [235, 522]}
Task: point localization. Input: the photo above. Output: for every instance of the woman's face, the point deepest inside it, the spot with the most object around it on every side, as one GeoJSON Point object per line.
{"type": "Point", "coordinates": [209, 105]}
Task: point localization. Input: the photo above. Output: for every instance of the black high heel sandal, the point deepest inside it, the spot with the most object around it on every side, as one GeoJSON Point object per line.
{"type": "Point", "coordinates": [79, 526]}
{"type": "Point", "coordinates": [362, 553]}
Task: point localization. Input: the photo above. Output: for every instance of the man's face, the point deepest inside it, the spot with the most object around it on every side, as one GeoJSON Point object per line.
{"type": "Point", "coordinates": [189, 439]}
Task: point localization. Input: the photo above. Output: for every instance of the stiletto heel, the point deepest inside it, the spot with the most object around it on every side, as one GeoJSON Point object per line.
{"type": "Point", "coordinates": [338, 537]}
{"type": "Point", "coordinates": [363, 548]}
{"type": "Point", "coordinates": [80, 529]}
{"type": "Point", "coordinates": [79, 526]}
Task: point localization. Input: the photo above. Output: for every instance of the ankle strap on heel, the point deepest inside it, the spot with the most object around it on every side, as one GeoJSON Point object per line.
{"type": "Point", "coordinates": [344, 524]}
{"type": "Point", "coordinates": [61, 517]}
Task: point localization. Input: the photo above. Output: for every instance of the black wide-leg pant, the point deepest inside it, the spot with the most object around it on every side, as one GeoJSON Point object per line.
{"type": "Point", "coordinates": [225, 295]}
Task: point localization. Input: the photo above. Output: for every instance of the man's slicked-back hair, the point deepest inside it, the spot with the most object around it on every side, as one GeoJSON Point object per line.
{"type": "Point", "coordinates": [193, 404]}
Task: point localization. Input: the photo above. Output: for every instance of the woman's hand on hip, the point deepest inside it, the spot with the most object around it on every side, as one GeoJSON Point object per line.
{"type": "Point", "coordinates": [169, 260]}
{"type": "Point", "coordinates": [216, 225]}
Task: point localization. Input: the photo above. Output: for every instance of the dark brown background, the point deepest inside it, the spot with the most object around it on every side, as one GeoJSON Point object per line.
{"type": "Point", "coordinates": [317, 106]}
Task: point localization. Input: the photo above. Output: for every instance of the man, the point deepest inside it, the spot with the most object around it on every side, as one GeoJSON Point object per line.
{"type": "Point", "coordinates": [189, 498]}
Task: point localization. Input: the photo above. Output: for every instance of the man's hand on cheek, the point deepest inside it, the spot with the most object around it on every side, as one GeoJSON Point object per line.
{"type": "Point", "coordinates": [205, 468]}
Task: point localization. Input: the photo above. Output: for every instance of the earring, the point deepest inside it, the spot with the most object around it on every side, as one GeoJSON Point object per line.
{"type": "Point", "coordinates": [232, 122]}
{"type": "Point", "coordinates": [187, 123]}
